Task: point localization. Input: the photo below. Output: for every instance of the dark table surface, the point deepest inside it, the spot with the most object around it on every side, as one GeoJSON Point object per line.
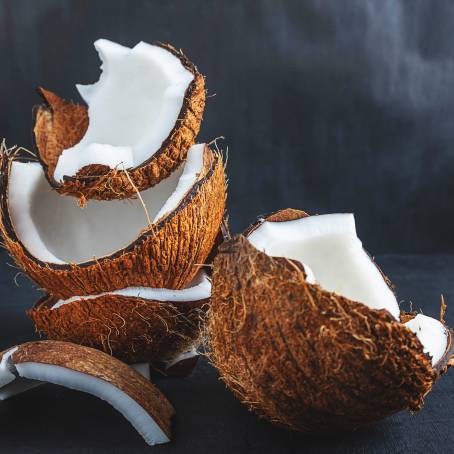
{"type": "Point", "coordinates": [51, 419]}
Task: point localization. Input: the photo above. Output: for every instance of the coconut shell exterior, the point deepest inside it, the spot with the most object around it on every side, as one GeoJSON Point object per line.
{"type": "Point", "coordinates": [167, 254]}
{"type": "Point", "coordinates": [99, 365]}
{"type": "Point", "coordinates": [134, 330]}
{"type": "Point", "coordinates": [306, 358]}
{"type": "Point", "coordinates": [60, 124]}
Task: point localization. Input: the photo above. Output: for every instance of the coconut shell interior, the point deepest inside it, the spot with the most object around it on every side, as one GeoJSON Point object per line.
{"type": "Point", "coordinates": [165, 255]}
{"type": "Point", "coordinates": [60, 124]}
{"type": "Point", "coordinates": [94, 363]}
{"type": "Point", "coordinates": [306, 358]}
{"type": "Point", "coordinates": [135, 330]}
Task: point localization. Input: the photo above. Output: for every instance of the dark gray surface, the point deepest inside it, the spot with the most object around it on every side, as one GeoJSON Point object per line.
{"type": "Point", "coordinates": [325, 105]}
{"type": "Point", "coordinates": [209, 419]}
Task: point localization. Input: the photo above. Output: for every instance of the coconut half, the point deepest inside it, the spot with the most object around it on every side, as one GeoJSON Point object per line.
{"type": "Point", "coordinates": [91, 371]}
{"type": "Point", "coordinates": [143, 115]}
{"type": "Point", "coordinates": [309, 358]}
{"type": "Point", "coordinates": [134, 324]}
{"type": "Point", "coordinates": [158, 240]}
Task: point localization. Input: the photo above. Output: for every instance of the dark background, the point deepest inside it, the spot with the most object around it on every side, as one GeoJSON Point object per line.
{"type": "Point", "coordinates": [325, 106]}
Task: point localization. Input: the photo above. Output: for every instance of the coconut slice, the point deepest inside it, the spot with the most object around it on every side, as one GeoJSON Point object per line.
{"type": "Point", "coordinates": [93, 372]}
{"type": "Point", "coordinates": [158, 240]}
{"type": "Point", "coordinates": [134, 324]}
{"type": "Point", "coordinates": [143, 115]}
{"type": "Point", "coordinates": [332, 253]}
{"type": "Point", "coordinates": [308, 358]}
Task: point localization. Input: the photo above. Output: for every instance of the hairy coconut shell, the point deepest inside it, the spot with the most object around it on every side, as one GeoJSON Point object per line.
{"type": "Point", "coordinates": [99, 365]}
{"type": "Point", "coordinates": [167, 254]}
{"type": "Point", "coordinates": [306, 358]}
{"type": "Point", "coordinates": [59, 125]}
{"type": "Point", "coordinates": [135, 330]}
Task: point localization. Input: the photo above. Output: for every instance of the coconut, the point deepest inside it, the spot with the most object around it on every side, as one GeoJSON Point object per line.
{"type": "Point", "coordinates": [307, 355]}
{"type": "Point", "coordinates": [158, 240]}
{"type": "Point", "coordinates": [180, 366]}
{"type": "Point", "coordinates": [91, 371]}
{"type": "Point", "coordinates": [143, 115]}
{"type": "Point", "coordinates": [135, 324]}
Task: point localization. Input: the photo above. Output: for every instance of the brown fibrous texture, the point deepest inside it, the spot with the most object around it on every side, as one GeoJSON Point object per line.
{"type": "Point", "coordinates": [134, 330]}
{"type": "Point", "coordinates": [61, 124]}
{"type": "Point", "coordinates": [99, 365]}
{"type": "Point", "coordinates": [306, 358]}
{"type": "Point", "coordinates": [167, 254]}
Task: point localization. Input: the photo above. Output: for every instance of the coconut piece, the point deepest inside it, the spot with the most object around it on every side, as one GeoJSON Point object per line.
{"type": "Point", "coordinates": [330, 249]}
{"type": "Point", "coordinates": [432, 334]}
{"type": "Point", "coordinates": [110, 245]}
{"type": "Point", "coordinates": [91, 371]}
{"type": "Point", "coordinates": [180, 366]}
{"type": "Point", "coordinates": [143, 369]}
{"type": "Point", "coordinates": [134, 324]}
{"type": "Point", "coordinates": [143, 115]}
{"type": "Point", "coordinates": [304, 357]}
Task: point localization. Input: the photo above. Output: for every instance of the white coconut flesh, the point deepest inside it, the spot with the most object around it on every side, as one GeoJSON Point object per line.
{"type": "Point", "coordinates": [199, 289]}
{"type": "Point", "coordinates": [132, 108]}
{"type": "Point", "coordinates": [432, 334]}
{"type": "Point", "coordinates": [143, 369]}
{"type": "Point", "coordinates": [329, 246]}
{"type": "Point", "coordinates": [55, 229]}
{"type": "Point", "coordinates": [37, 373]}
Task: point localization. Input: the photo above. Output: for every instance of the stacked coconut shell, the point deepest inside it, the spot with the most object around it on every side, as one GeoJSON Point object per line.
{"type": "Point", "coordinates": [141, 296]}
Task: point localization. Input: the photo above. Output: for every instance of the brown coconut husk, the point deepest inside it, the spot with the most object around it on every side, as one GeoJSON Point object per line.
{"type": "Point", "coordinates": [135, 330]}
{"type": "Point", "coordinates": [99, 365]}
{"type": "Point", "coordinates": [306, 358]}
{"type": "Point", "coordinates": [60, 124]}
{"type": "Point", "coordinates": [167, 254]}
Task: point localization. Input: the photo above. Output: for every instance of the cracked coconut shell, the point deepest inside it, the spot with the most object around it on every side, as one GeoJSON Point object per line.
{"type": "Point", "coordinates": [306, 358]}
{"type": "Point", "coordinates": [167, 254]}
{"type": "Point", "coordinates": [133, 329]}
{"type": "Point", "coordinates": [59, 124]}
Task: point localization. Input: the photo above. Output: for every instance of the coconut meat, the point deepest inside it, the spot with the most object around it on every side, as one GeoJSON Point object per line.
{"type": "Point", "coordinates": [432, 334]}
{"type": "Point", "coordinates": [33, 373]}
{"type": "Point", "coordinates": [143, 369]}
{"type": "Point", "coordinates": [198, 290]}
{"type": "Point", "coordinates": [329, 246]}
{"type": "Point", "coordinates": [54, 229]}
{"type": "Point", "coordinates": [132, 108]}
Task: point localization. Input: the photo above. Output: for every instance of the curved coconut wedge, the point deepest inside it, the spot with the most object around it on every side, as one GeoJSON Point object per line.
{"type": "Point", "coordinates": [308, 358]}
{"type": "Point", "coordinates": [134, 324]}
{"type": "Point", "coordinates": [91, 371]}
{"type": "Point", "coordinates": [109, 245]}
{"type": "Point", "coordinates": [143, 115]}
